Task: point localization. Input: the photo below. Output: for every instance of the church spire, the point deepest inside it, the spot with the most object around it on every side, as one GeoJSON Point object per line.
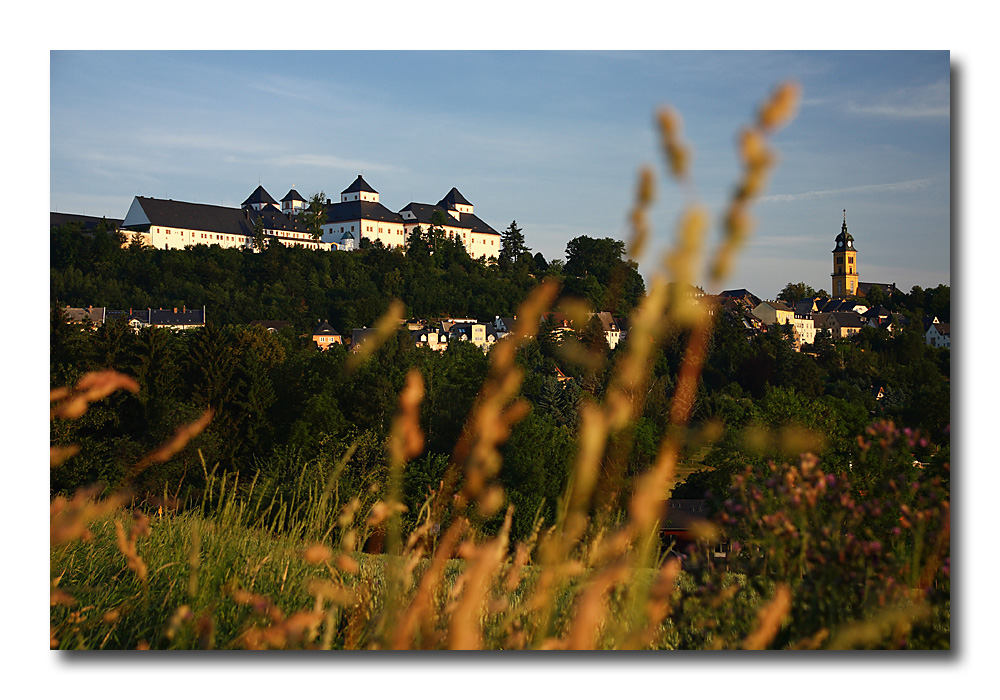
{"type": "Point", "coordinates": [845, 264]}
{"type": "Point", "coordinates": [845, 241]}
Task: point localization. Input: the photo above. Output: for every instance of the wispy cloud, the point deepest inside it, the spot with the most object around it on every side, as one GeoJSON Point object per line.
{"type": "Point", "coordinates": [924, 102]}
{"type": "Point", "coordinates": [319, 160]}
{"type": "Point", "coordinates": [280, 90]}
{"type": "Point", "coordinates": [906, 186]}
{"type": "Point", "coordinates": [205, 141]}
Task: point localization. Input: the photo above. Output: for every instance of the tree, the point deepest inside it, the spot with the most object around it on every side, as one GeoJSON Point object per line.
{"type": "Point", "coordinates": [875, 296]}
{"type": "Point", "coordinates": [315, 215]}
{"type": "Point", "coordinates": [537, 462]}
{"type": "Point", "coordinates": [258, 234]}
{"type": "Point", "coordinates": [512, 245]}
{"type": "Point", "coordinates": [619, 284]}
{"type": "Point", "coordinates": [435, 233]}
{"type": "Point", "coordinates": [938, 302]}
{"type": "Point", "coordinates": [418, 244]}
{"type": "Point", "coordinates": [796, 291]}
{"type": "Point", "coordinates": [593, 256]}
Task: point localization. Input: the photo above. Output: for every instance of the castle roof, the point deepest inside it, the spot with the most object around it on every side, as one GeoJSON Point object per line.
{"type": "Point", "coordinates": [477, 225]}
{"type": "Point", "coordinates": [274, 219]}
{"type": "Point", "coordinates": [358, 209]}
{"type": "Point", "coordinates": [87, 223]}
{"type": "Point", "coordinates": [259, 196]}
{"type": "Point", "coordinates": [293, 196]}
{"type": "Point", "coordinates": [452, 198]}
{"type": "Point", "coordinates": [423, 213]}
{"type": "Point", "coordinates": [197, 217]}
{"type": "Point", "coordinates": [359, 185]}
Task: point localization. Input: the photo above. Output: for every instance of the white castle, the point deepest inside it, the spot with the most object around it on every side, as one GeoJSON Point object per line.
{"type": "Point", "coordinates": [164, 223]}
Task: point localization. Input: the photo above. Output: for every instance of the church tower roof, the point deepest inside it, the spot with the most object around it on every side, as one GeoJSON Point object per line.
{"type": "Point", "coordinates": [845, 241]}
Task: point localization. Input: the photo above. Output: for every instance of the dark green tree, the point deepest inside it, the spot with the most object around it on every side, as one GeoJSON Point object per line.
{"type": "Point", "coordinates": [512, 245]}
{"type": "Point", "coordinates": [436, 234]}
{"type": "Point", "coordinates": [258, 234]}
{"type": "Point", "coordinates": [315, 215]}
{"type": "Point", "coordinates": [796, 291]}
{"type": "Point", "coordinates": [875, 297]}
{"type": "Point", "coordinates": [597, 257]}
{"type": "Point", "coordinates": [418, 245]}
{"type": "Point", "coordinates": [600, 264]}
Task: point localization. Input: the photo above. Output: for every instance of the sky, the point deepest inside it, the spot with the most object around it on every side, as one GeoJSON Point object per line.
{"type": "Point", "coordinates": [553, 140]}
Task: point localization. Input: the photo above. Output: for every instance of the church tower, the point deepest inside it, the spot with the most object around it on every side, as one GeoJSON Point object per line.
{"type": "Point", "coordinates": [845, 265]}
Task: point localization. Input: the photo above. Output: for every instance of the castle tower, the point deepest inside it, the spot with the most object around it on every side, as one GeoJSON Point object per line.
{"type": "Point", "coordinates": [359, 191]}
{"type": "Point", "coordinates": [844, 278]}
{"type": "Point", "coordinates": [258, 199]}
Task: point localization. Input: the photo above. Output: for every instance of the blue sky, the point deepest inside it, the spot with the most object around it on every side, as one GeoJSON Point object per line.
{"type": "Point", "coordinates": [553, 139]}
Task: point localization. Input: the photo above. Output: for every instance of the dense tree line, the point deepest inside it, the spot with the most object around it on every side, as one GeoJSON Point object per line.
{"type": "Point", "coordinates": [435, 278]}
